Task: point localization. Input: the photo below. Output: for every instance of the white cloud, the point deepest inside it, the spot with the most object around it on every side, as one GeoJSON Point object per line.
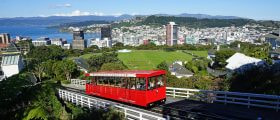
{"type": "Point", "coordinates": [117, 14]}
{"type": "Point", "coordinates": [66, 5]}
{"type": "Point", "coordinates": [79, 13]}
{"type": "Point", "coordinates": [134, 13]}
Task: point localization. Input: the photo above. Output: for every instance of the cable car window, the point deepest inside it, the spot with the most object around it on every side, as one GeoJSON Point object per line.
{"type": "Point", "coordinates": [100, 81]}
{"type": "Point", "coordinates": [94, 81]}
{"type": "Point", "coordinates": [160, 82]}
{"type": "Point", "coordinates": [123, 82]}
{"type": "Point", "coordinates": [118, 82]}
{"type": "Point", "coordinates": [140, 84]}
{"type": "Point", "coordinates": [106, 81]}
{"type": "Point", "coordinates": [111, 81]}
{"type": "Point", "coordinates": [132, 83]}
{"type": "Point", "coordinates": [152, 83]}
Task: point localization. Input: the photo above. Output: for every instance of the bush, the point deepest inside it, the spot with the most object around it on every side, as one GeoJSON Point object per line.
{"type": "Point", "coordinates": [113, 66]}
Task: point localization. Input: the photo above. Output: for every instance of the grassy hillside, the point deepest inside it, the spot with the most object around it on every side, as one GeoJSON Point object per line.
{"type": "Point", "coordinates": [149, 59]}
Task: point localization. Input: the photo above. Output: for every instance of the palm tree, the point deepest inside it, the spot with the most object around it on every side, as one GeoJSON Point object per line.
{"type": "Point", "coordinates": [38, 71]}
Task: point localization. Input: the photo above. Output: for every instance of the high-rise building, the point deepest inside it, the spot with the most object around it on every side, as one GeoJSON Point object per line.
{"type": "Point", "coordinates": [106, 32]}
{"type": "Point", "coordinates": [78, 40]}
{"type": "Point", "coordinates": [78, 35]}
{"type": "Point", "coordinates": [171, 34]}
{"type": "Point", "coordinates": [5, 38]}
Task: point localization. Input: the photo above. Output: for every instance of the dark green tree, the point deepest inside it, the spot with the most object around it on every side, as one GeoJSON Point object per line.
{"type": "Point", "coordinates": [113, 66]}
{"type": "Point", "coordinates": [163, 66]}
{"type": "Point", "coordinates": [97, 61]}
{"type": "Point", "coordinates": [222, 56]}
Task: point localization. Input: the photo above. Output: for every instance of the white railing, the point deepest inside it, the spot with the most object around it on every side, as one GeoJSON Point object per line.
{"type": "Point", "coordinates": [78, 82]}
{"type": "Point", "coordinates": [247, 99]}
{"type": "Point", "coordinates": [86, 101]}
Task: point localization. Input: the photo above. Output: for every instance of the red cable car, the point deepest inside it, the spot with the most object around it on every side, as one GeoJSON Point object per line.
{"type": "Point", "coordinates": [138, 87]}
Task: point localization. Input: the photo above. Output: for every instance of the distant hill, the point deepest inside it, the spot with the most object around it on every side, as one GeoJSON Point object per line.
{"type": "Point", "coordinates": [191, 20]}
{"type": "Point", "coordinates": [204, 16]}
{"type": "Point", "coordinates": [80, 24]}
{"type": "Point", "coordinates": [57, 20]}
{"type": "Point", "coordinates": [195, 22]}
{"type": "Point", "coordinates": [201, 16]}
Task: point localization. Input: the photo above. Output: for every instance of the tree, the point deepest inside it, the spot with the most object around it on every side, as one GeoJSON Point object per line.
{"type": "Point", "coordinates": [38, 71]}
{"type": "Point", "coordinates": [198, 66]}
{"type": "Point", "coordinates": [252, 50]}
{"type": "Point", "coordinates": [64, 69]}
{"type": "Point", "coordinates": [222, 56]}
{"type": "Point", "coordinates": [44, 53]}
{"type": "Point", "coordinates": [69, 67]}
{"type": "Point", "coordinates": [91, 49]}
{"type": "Point", "coordinates": [113, 66]}
{"type": "Point", "coordinates": [163, 66]}
{"type": "Point", "coordinates": [97, 61]}
{"type": "Point", "coordinates": [48, 68]}
{"type": "Point", "coordinates": [118, 45]}
{"type": "Point", "coordinates": [258, 79]}
{"type": "Point", "coordinates": [73, 53]}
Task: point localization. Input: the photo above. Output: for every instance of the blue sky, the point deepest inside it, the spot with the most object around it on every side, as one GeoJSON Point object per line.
{"type": "Point", "coordinates": [255, 9]}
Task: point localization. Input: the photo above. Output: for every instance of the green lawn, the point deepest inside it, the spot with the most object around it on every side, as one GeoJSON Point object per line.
{"type": "Point", "coordinates": [87, 56]}
{"type": "Point", "coordinates": [199, 53]}
{"type": "Point", "coordinates": [149, 59]}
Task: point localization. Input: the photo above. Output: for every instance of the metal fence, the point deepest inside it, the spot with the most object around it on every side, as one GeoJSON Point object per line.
{"type": "Point", "coordinates": [89, 102]}
{"type": "Point", "coordinates": [78, 82]}
{"type": "Point", "coordinates": [247, 99]}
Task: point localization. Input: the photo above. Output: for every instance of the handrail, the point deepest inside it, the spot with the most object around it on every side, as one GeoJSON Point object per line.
{"type": "Point", "coordinates": [78, 82]}
{"type": "Point", "coordinates": [247, 99]}
{"type": "Point", "coordinates": [86, 101]}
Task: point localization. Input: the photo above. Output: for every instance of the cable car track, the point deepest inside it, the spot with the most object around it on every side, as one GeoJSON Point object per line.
{"type": "Point", "coordinates": [161, 110]}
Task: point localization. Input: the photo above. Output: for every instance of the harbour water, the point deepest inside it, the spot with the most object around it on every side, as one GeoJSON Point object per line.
{"type": "Point", "coordinates": [35, 32]}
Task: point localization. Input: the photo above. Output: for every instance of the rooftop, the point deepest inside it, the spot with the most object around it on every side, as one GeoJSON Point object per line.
{"type": "Point", "coordinates": [272, 36]}
{"type": "Point", "coordinates": [10, 60]}
{"type": "Point", "coordinates": [239, 59]}
{"type": "Point", "coordinates": [127, 73]}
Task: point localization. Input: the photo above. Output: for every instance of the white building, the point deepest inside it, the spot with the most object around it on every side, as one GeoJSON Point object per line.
{"type": "Point", "coordinates": [242, 62]}
{"type": "Point", "coordinates": [124, 51]}
{"type": "Point", "coordinates": [102, 43]}
{"type": "Point", "coordinates": [43, 41]}
{"type": "Point", "coordinates": [58, 42]}
{"type": "Point", "coordinates": [11, 65]}
{"type": "Point", "coordinates": [66, 46]}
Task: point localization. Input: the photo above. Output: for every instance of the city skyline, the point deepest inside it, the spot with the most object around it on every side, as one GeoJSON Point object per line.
{"type": "Point", "coordinates": [253, 9]}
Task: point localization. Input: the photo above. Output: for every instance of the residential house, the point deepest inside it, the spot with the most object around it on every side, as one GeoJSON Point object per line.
{"type": "Point", "coordinates": [273, 40]}
{"type": "Point", "coordinates": [12, 64]}
{"type": "Point", "coordinates": [241, 62]}
{"type": "Point", "coordinates": [177, 69]}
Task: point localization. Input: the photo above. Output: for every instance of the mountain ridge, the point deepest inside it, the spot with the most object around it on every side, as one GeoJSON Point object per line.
{"type": "Point", "coordinates": [57, 20]}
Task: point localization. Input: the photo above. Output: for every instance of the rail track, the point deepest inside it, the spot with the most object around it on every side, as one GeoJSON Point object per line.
{"type": "Point", "coordinates": [159, 112]}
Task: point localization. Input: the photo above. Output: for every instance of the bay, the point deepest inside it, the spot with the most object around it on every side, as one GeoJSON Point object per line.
{"type": "Point", "coordinates": [36, 32]}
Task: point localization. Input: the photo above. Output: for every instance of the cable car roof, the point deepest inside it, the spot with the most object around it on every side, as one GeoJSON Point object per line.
{"type": "Point", "coordinates": [127, 73]}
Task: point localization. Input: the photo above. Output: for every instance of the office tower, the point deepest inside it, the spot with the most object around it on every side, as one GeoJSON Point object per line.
{"type": "Point", "coordinates": [106, 32]}
{"type": "Point", "coordinates": [5, 38]}
{"type": "Point", "coordinates": [78, 35]}
{"type": "Point", "coordinates": [171, 34]}
{"type": "Point", "coordinates": [78, 40]}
